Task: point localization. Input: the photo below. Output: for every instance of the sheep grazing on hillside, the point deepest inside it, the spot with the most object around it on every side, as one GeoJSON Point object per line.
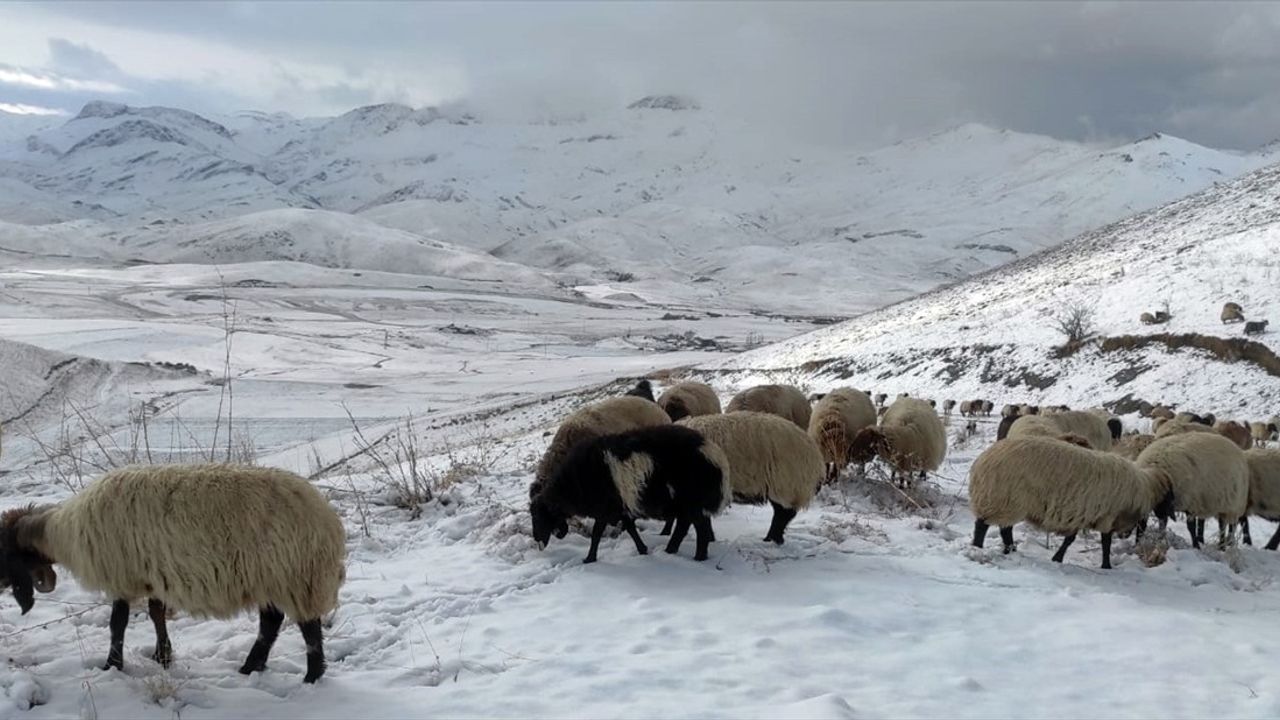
{"type": "Point", "coordinates": [948, 406]}
{"type": "Point", "coordinates": [880, 399]}
{"type": "Point", "coordinates": [987, 407]}
{"type": "Point", "coordinates": [1209, 476]}
{"type": "Point", "coordinates": [785, 401]}
{"type": "Point", "coordinates": [837, 419]}
{"type": "Point", "coordinates": [1232, 313]}
{"type": "Point", "coordinates": [1264, 492]}
{"type": "Point", "coordinates": [1147, 318]}
{"type": "Point", "coordinates": [665, 471]}
{"type": "Point", "coordinates": [967, 408]}
{"type": "Point", "coordinates": [210, 540]}
{"type": "Point", "coordinates": [1010, 411]}
{"type": "Point", "coordinates": [642, 389]}
{"type": "Point", "coordinates": [1062, 488]}
{"type": "Point", "coordinates": [910, 438]}
{"type": "Point", "coordinates": [770, 460]}
{"type": "Point", "coordinates": [1235, 432]}
{"type": "Point", "coordinates": [689, 398]}
{"type": "Point", "coordinates": [1160, 317]}
{"type": "Point", "coordinates": [1006, 422]}
{"type": "Point", "coordinates": [1260, 433]}
{"type": "Point", "coordinates": [1130, 447]}
{"type": "Point", "coordinates": [1165, 428]}
{"type": "Point", "coordinates": [1256, 327]}
{"type": "Point", "coordinates": [1160, 411]}
{"type": "Point", "coordinates": [1100, 432]}
{"type": "Point", "coordinates": [607, 417]}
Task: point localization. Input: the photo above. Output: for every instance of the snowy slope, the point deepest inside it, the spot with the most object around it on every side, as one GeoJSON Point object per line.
{"type": "Point", "coordinates": [993, 335]}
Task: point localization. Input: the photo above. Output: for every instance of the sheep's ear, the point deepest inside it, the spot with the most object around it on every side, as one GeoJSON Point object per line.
{"type": "Point", "coordinates": [45, 578]}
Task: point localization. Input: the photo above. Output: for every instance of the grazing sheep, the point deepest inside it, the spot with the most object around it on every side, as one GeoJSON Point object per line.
{"type": "Point", "coordinates": [1160, 411]}
{"type": "Point", "coordinates": [607, 417]}
{"type": "Point", "coordinates": [1256, 327]}
{"type": "Point", "coordinates": [689, 398]}
{"type": "Point", "coordinates": [664, 471]}
{"type": "Point", "coordinates": [1209, 477]}
{"type": "Point", "coordinates": [785, 401]}
{"type": "Point", "coordinates": [880, 399]}
{"type": "Point", "coordinates": [1029, 410]}
{"type": "Point", "coordinates": [987, 407]}
{"type": "Point", "coordinates": [910, 438]}
{"type": "Point", "coordinates": [1130, 447]}
{"type": "Point", "coordinates": [210, 540]}
{"type": "Point", "coordinates": [948, 406]}
{"type": "Point", "coordinates": [1207, 419]}
{"type": "Point", "coordinates": [770, 460]}
{"type": "Point", "coordinates": [1006, 422]}
{"type": "Point", "coordinates": [1147, 318]}
{"type": "Point", "coordinates": [1260, 432]}
{"type": "Point", "coordinates": [966, 407]}
{"type": "Point", "coordinates": [971, 428]}
{"type": "Point", "coordinates": [1235, 432]}
{"type": "Point", "coordinates": [836, 420]}
{"type": "Point", "coordinates": [1164, 428]}
{"type": "Point", "coordinates": [1098, 431]}
{"type": "Point", "coordinates": [1061, 488]}
{"type": "Point", "coordinates": [1010, 411]}
{"type": "Point", "coordinates": [1264, 492]}
{"type": "Point", "coordinates": [1232, 313]}
{"type": "Point", "coordinates": [642, 389]}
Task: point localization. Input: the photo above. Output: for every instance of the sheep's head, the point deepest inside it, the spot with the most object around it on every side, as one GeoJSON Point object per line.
{"type": "Point", "coordinates": [676, 409]}
{"type": "Point", "coordinates": [868, 443]}
{"type": "Point", "coordinates": [22, 568]}
{"type": "Point", "coordinates": [546, 521]}
{"type": "Point", "coordinates": [1116, 428]}
{"type": "Point", "coordinates": [642, 389]}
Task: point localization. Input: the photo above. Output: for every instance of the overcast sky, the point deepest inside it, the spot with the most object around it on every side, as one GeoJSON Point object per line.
{"type": "Point", "coordinates": [861, 74]}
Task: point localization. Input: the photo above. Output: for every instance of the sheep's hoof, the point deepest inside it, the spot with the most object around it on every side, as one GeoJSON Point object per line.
{"type": "Point", "coordinates": [642, 550]}
{"type": "Point", "coordinates": [115, 663]}
{"type": "Point", "coordinates": [248, 669]}
{"type": "Point", "coordinates": [1010, 548]}
{"type": "Point", "coordinates": [700, 557]}
{"type": "Point", "coordinates": [588, 559]}
{"type": "Point", "coordinates": [163, 656]}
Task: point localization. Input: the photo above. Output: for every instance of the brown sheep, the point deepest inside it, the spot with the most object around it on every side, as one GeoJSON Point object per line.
{"type": "Point", "coordinates": [1232, 313]}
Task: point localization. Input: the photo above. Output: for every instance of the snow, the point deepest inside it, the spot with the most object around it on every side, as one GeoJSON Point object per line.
{"type": "Point", "coordinates": [546, 280]}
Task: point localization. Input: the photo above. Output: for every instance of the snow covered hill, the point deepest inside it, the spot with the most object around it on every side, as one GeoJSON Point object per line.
{"type": "Point", "coordinates": [994, 335]}
{"type": "Point", "coordinates": [663, 200]}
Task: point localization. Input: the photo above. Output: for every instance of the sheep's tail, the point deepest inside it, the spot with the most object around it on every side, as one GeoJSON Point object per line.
{"type": "Point", "coordinates": [833, 441]}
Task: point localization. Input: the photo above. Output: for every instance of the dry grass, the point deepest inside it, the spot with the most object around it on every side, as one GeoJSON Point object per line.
{"type": "Point", "coordinates": [1230, 350]}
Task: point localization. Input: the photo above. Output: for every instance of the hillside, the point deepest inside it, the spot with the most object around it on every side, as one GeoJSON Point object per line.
{"type": "Point", "coordinates": [664, 200]}
{"type": "Point", "coordinates": [994, 335]}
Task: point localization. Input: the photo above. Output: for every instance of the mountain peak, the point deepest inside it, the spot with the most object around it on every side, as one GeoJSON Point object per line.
{"type": "Point", "coordinates": [101, 109]}
{"type": "Point", "coordinates": [665, 102]}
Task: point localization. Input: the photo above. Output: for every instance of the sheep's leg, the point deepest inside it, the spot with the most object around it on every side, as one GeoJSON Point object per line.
{"type": "Point", "coordinates": [1191, 528]}
{"type": "Point", "coordinates": [703, 525]}
{"type": "Point", "coordinates": [1200, 530]}
{"type": "Point", "coordinates": [1006, 537]}
{"type": "Point", "coordinates": [1274, 542]}
{"type": "Point", "coordinates": [313, 637]}
{"type": "Point", "coordinates": [979, 532]}
{"type": "Point", "coordinates": [164, 650]}
{"type": "Point", "coordinates": [666, 527]}
{"type": "Point", "coordinates": [1062, 551]}
{"type": "Point", "coordinates": [1139, 530]}
{"type": "Point", "coordinates": [119, 620]}
{"type": "Point", "coordinates": [1244, 530]}
{"type": "Point", "coordinates": [1226, 533]}
{"type": "Point", "coordinates": [1106, 551]}
{"type": "Point", "coordinates": [269, 620]}
{"type": "Point", "coordinates": [597, 532]}
{"type": "Point", "coordinates": [782, 516]}
{"type": "Point", "coordinates": [629, 524]}
{"type": "Point", "coordinates": [677, 535]}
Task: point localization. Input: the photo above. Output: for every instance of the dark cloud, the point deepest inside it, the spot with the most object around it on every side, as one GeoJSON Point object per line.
{"type": "Point", "coordinates": [853, 73]}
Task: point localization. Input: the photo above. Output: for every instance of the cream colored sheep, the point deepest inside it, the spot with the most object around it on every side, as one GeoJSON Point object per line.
{"type": "Point", "coordinates": [770, 460]}
{"type": "Point", "coordinates": [689, 398]}
{"type": "Point", "coordinates": [1209, 476]}
{"type": "Point", "coordinates": [836, 420]}
{"type": "Point", "coordinates": [910, 438]}
{"type": "Point", "coordinates": [1062, 488]}
{"type": "Point", "coordinates": [1235, 432]}
{"type": "Point", "coordinates": [1260, 433]}
{"type": "Point", "coordinates": [1100, 432]}
{"type": "Point", "coordinates": [1165, 428]}
{"type": "Point", "coordinates": [785, 401]}
{"type": "Point", "coordinates": [1160, 411]}
{"type": "Point", "coordinates": [607, 417]}
{"type": "Point", "coordinates": [1264, 492]}
{"type": "Point", "coordinates": [1130, 447]}
{"type": "Point", "coordinates": [1232, 313]}
{"type": "Point", "coordinates": [210, 540]}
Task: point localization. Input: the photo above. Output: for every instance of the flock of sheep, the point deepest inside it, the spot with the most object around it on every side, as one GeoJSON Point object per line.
{"type": "Point", "coordinates": [216, 540]}
{"type": "Point", "coordinates": [679, 459]}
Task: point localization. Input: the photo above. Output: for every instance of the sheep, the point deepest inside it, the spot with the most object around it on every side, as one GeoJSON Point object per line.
{"type": "Point", "coordinates": [662, 471]}
{"type": "Point", "coordinates": [1009, 411]}
{"type": "Point", "coordinates": [1232, 313]}
{"type": "Point", "coordinates": [1098, 431]}
{"type": "Point", "coordinates": [607, 417]}
{"type": "Point", "coordinates": [1164, 428]}
{"type": "Point", "coordinates": [1206, 419]}
{"type": "Point", "coordinates": [910, 438]}
{"type": "Point", "coordinates": [948, 406]}
{"type": "Point", "coordinates": [836, 419]}
{"type": "Point", "coordinates": [1209, 476]}
{"type": "Point", "coordinates": [1006, 422]}
{"type": "Point", "coordinates": [1160, 411]}
{"type": "Point", "coordinates": [1130, 447]}
{"type": "Point", "coordinates": [987, 407]}
{"type": "Point", "coordinates": [966, 407]}
{"type": "Point", "coordinates": [971, 428]}
{"type": "Point", "coordinates": [1062, 488]}
{"type": "Point", "coordinates": [642, 389]}
{"type": "Point", "coordinates": [1235, 432]}
{"type": "Point", "coordinates": [1256, 327]}
{"type": "Point", "coordinates": [1264, 492]}
{"type": "Point", "coordinates": [880, 399]}
{"type": "Point", "coordinates": [1029, 410]}
{"type": "Point", "coordinates": [769, 460]}
{"type": "Point", "coordinates": [211, 540]}
{"type": "Point", "coordinates": [1260, 433]}
{"type": "Point", "coordinates": [782, 400]}
{"type": "Point", "coordinates": [815, 397]}
{"type": "Point", "coordinates": [1147, 318]}
{"type": "Point", "coordinates": [689, 398]}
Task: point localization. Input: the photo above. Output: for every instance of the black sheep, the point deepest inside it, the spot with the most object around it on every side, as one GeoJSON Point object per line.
{"type": "Point", "coordinates": [642, 389]}
{"type": "Point", "coordinates": [655, 472]}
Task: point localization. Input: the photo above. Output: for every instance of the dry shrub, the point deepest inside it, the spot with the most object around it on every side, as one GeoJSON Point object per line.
{"type": "Point", "coordinates": [1229, 350]}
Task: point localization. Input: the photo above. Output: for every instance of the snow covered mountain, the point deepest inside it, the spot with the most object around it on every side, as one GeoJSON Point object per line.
{"type": "Point", "coordinates": [663, 200]}
{"type": "Point", "coordinates": [995, 335]}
